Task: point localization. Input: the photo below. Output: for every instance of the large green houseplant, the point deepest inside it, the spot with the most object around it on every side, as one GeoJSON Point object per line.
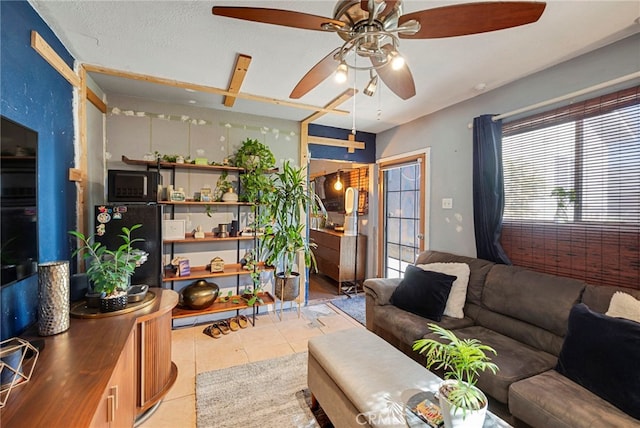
{"type": "Point", "coordinates": [285, 238]}
{"type": "Point", "coordinates": [109, 271]}
{"type": "Point", "coordinates": [461, 402]}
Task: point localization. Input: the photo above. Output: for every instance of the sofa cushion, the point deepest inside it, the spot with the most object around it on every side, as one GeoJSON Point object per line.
{"type": "Point", "coordinates": [601, 353]}
{"type": "Point", "coordinates": [624, 305]}
{"type": "Point", "coordinates": [458, 294]}
{"type": "Point", "coordinates": [598, 297]}
{"type": "Point", "coordinates": [515, 360]}
{"type": "Point", "coordinates": [552, 400]}
{"type": "Point", "coordinates": [536, 298]}
{"type": "Point", "coordinates": [423, 292]}
{"type": "Point", "coordinates": [478, 267]}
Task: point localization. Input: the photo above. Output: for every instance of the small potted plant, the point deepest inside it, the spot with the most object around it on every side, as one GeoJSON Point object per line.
{"type": "Point", "coordinates": [461, 402]}
{"type": "Point", "coordinates": [110, 270]}
{"type": "Point", "coordinates": [285, 239]}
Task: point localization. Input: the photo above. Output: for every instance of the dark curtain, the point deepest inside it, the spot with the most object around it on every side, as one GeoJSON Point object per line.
{"type": "Point", "coordinates": [488, 188]}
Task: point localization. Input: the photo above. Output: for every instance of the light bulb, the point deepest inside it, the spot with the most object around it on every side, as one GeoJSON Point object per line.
{"type": "Point", "coordinates": [397, 61]}
{"type": "Point", "coordinates": [341, 73]}
{"type": "Point", "coordinates": [371, 86]}
{"type": "Point", "coordinates": [338, 184]}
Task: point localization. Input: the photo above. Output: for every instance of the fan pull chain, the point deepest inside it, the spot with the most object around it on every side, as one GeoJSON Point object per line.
{"type": "Point", "coordinates": [353, 109]}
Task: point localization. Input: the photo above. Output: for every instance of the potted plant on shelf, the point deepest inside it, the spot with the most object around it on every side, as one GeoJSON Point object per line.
{"type": "Point", "coordinates": [461, 402]}
{"type": "Point", "coordinates": [254, 156]}
{"type": "Point", "coordinates": [110, 270]}
{"type": "Point", "coordinates": [257, 159]}
{"type": "Point", "coordinates": [284, 237]}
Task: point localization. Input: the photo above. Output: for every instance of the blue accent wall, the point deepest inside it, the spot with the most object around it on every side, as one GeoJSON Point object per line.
{"type": "Point", "coordinates": [318, 151]}
{"type": "Point", "coordinates": [35, 95]}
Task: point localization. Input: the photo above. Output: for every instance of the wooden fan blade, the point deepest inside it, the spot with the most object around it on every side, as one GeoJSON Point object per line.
{"type": "Point", "coordinates": [316, 75]}
{"type": "Point", "coordinates": [399, 81]}
{"type": "Point", "coordinates": [472, 18]}
{"type": "Point", "coordinates": [287, 18]}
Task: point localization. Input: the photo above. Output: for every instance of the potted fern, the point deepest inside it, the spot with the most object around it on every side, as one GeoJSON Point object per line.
{"type": "Point", "coordinates": [461, 402]}
{"type": "Point", "coordinates": [110, 270]}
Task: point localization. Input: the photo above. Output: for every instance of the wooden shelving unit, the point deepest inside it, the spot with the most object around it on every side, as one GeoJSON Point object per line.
{"type": "Point", "coordinates": [202, 272]}
{"type": "Point", "coordinates": [219, 306]}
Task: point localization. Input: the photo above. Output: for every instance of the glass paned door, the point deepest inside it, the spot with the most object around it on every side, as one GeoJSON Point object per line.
{"type": "Point", "coordinates": [402, 208]}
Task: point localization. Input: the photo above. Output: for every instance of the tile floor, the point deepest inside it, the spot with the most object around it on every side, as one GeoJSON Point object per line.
{"type": "Point", "coordinates": [194, 352]}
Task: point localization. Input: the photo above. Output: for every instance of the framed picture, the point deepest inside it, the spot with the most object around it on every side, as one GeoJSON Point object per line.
{"type": "Point", "coordinates": [173, 229]}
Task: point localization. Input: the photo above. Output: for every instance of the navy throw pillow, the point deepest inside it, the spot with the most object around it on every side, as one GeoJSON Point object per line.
{"type": "Point", "coordinates": [423, 292]}
{"type": "Point", "coordinates": [602, 354]}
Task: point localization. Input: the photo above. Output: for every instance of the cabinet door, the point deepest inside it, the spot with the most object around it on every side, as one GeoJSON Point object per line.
{"type": "Point", "coordinates": [117, 407]}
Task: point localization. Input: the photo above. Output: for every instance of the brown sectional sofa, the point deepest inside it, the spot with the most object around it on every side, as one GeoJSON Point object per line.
{"type": "Point", "coordinates": [523, 315]}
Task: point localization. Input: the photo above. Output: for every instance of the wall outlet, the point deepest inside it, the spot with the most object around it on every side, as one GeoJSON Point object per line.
{"type": "Point", "coordinates": [447, 203]}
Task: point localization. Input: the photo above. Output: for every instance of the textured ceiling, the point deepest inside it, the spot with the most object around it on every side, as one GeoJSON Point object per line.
{"type": "Point", "coordinates": [182, 40]}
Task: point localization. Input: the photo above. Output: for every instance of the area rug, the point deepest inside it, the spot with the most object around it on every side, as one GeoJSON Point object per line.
{"type": "Point", "coordinates": [354, 307]}
{"type": "Point", "coordinates": [265, 394]}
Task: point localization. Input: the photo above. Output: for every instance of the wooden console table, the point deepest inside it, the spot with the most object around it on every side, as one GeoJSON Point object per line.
{"type": "Point", "coordinates": [101, 372]}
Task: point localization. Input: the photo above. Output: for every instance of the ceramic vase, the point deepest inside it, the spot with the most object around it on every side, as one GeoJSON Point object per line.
{"type": "Point", "coordinates": [199, 294]}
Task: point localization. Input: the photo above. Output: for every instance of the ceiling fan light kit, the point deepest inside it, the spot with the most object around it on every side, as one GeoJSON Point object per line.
{"type": "Point", "coordinates": [371, 30]}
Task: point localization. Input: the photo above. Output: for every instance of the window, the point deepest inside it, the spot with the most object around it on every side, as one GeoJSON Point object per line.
{"type": "Point", "coordinates": [572, 190]}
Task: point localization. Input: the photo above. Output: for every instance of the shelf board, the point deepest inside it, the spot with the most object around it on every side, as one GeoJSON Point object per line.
{"type": "Point", "coordinates": [218, 306]}
{"type": "Point", "coordinates": [208, 237]}
{"type": "Point", "coordinates": [232, 204]}
{"type": "Point", "coordinates": [201, 272]}
{"type": "Point", "coordinates": [172, 165]}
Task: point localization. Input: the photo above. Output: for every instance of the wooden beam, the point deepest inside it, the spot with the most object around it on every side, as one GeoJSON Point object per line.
{"type": "Point", "coordinates": [332, 105]}
{"type": "Point", "coordinates": [49, 55]}
{"type": "Point", "coordinates": [207, 89]}
{"type": "Point", "coordinates": [335, 142]}
{"type": "Point", "coordinates": [352, 138]}
{"type": "Point", "coordinates": [96, 101]}
{"type": "Point", "coordinates": [75, 174]}
{"type": "Point", "coordinates": [239, 73]}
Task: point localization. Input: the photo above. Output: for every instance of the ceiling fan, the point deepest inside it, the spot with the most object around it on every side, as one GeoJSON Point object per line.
{"type": "Point", "coordinates": [371, 30]}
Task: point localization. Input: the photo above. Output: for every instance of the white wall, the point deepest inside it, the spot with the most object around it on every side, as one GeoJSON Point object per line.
{"type": "Point", "coordinates": [447, 133]}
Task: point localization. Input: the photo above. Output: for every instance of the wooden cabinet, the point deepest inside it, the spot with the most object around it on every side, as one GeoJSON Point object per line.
{"type": "Point", "coordinates": [339, 256]}
{"type": "Point", "coordinates": [117, 406]}
{"type": "Point", "coordinates": [102, 372]}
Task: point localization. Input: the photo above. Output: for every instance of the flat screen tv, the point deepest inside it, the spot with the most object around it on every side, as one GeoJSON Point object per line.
{"type": "Point", "coordinates": [18, 187]}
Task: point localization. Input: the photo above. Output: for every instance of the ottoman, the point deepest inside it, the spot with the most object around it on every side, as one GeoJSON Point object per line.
{"type": "Point", "coordinates": [361, 380]}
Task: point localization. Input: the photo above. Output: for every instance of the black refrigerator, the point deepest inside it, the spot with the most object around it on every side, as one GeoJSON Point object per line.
{"type": "Point", "coordinates": [109, 221]}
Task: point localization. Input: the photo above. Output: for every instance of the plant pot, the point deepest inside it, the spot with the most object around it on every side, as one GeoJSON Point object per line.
{"type": "Point", "coordinates": [113, 303]}
{"type": "Point", "coordinates": [199, 294]}
{"type": "Point", "coordinates": [287, 288]}
{"type": "Point", "coordinates": [456, 417]}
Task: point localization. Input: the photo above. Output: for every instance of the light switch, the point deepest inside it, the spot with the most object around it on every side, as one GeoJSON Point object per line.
{"type": "Point", "coordinates": [447, 203]}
